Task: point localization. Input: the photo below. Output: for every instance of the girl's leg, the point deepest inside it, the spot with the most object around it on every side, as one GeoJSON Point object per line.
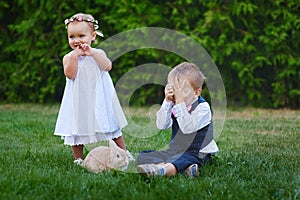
{"type": "Point", "coordinates": [120, 142]}
{"type": "Point", "coordinates": [78, 151]}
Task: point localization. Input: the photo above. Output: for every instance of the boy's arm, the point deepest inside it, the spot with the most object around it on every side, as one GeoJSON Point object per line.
{"type": "Point", "coordinates": [197, 119]}
{"type": "Point", "coordinates": [163, 115]}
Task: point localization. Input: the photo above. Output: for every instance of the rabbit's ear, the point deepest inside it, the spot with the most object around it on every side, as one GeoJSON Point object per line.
{"type": "Point", "coordinates": [112, 144]}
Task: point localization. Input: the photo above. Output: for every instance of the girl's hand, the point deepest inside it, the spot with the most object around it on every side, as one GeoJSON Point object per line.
{"type": "Point", "coordinates": [78, 52]}
{"type": "Point", "coordinates": [88, 51]}
{"type": "Point", "coordinates": [169, 93]}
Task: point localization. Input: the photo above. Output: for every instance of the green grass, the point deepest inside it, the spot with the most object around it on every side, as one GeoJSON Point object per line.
{"type": "Point", "coordinates": [259, 158]}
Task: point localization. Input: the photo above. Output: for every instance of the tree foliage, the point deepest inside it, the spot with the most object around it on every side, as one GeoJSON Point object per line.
{"type": "Point", "coordinates": [254, 43]}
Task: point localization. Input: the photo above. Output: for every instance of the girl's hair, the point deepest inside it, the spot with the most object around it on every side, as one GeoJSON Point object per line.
{"type": "Point", "coordinates": [79, 17]}
{"type": "Point", "coordinates": [190, 72]}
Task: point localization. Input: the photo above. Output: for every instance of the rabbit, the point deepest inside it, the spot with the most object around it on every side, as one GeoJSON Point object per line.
{"type": "Point", "coordinates": [104, 158]}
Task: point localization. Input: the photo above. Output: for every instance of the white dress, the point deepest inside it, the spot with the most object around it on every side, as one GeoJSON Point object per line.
{"type": "Point", "coordinates": [90, 110]}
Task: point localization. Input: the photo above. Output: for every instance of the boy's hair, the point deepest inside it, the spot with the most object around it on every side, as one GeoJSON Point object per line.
{"type": "Point", "coordinates": [190, 72]}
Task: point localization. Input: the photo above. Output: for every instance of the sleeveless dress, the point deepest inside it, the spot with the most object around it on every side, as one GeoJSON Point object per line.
{"type": "Point", "coordinates": [90, 110]}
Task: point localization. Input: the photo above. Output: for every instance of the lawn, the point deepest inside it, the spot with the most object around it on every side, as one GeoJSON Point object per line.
{"type": "Point", "coordinates": [259, 158]}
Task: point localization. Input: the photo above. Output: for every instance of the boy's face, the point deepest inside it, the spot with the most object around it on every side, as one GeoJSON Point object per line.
{"type": "Point", "coordinates": [183, 90]}
{"type": "Point", "coordinates": [80, 33]}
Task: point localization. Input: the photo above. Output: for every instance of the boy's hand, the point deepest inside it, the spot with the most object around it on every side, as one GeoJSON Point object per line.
{"type": "Point", "coordinates": [169, 93]}
{"type": "Point", "coordinates": [184, 92]}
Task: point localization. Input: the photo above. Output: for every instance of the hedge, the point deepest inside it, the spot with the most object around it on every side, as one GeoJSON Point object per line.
{"type": "Point", "coordinates": [255, 45]}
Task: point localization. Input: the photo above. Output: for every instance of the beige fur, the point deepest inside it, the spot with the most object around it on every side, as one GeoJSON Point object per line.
{"type": "Point", "coordinates": [104, 158]}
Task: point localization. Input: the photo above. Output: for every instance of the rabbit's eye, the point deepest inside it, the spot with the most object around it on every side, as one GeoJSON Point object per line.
{"type": "Point", "coordinates": [118, 155]}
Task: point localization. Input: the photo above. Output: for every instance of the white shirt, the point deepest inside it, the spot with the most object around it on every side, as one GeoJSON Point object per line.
{"type": "Point", "coordinates": [188, 122]}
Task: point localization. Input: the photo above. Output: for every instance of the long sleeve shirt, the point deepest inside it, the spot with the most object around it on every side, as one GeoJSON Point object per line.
{"type": "Point", "coordinates": [189, 122]}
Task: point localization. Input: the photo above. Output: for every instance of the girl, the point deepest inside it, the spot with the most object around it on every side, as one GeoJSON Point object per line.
{"type": "Point", "coordinates": [90, 110]}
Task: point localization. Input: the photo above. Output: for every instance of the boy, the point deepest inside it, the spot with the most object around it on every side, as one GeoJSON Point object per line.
{"type": "Point", "coordinates": [190, 116]}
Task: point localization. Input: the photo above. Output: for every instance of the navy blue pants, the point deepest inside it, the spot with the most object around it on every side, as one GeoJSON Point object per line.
{"type": "Point", "coordinates": [180, 160]}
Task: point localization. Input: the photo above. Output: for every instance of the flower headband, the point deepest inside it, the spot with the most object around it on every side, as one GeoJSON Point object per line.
{"type": "Point", "coordinates": [81, 18]}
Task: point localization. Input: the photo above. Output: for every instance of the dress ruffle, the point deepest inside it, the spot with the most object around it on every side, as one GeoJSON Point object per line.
{"type": "Point", "coordinates": [89, 139]}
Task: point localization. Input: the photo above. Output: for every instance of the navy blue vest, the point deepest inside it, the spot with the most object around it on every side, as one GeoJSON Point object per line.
{"type": "Point", "coordinates": [190, 142]}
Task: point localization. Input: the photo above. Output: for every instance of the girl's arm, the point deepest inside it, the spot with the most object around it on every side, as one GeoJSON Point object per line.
{"type": "Point", "coordinates": [100, 57]}
{"type": "Point", "coordinates": [70, 63]}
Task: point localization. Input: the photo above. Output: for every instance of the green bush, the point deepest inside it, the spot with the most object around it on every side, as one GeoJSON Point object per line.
{"type": "Point", "coordinates": [255, 44]}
